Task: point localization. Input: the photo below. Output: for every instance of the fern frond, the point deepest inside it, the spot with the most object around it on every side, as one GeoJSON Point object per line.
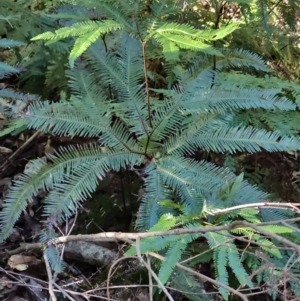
{"type": "Point", "coordinates": [193, 125]}
{"type": "Point", "coordinates": [115, 10]}
{"type": "Point", "coordinates": [131, 97]}
{"type": "Point", "coordinates": [165, 223]}
{"type": "Point", "coordinates": [16, 200]}
{"type": "Point", "coordinates": [81, 182]}
{"type": "Point", "coordinates": [267, 245]}
{"type": "Point", "coordinates": [238, 58]}
{"type": "Point", "coordinates": [192, 173]}
{"type": "Point", "coordinates": [87, 32]}
{"type": "Point", "coordinates": [118, 137]}
{"type": "Point", "coordinates": [150, 211]}
{"type": "Point", "coordinates": [65, 119]}
{"type": "Point", "coordinates": [235, 264]}
{"type": "Point", "coordinates": [165, 121]}
{"type": "Point", "coordinates": [50, 251]}
{"type": "Point", "coordinates": [172, 256]}
{"type": "Point", "coordinates": [239, 139]}
{"type": "Point", "coordinates": [62, 173]}
{"type": "Point", "coordinates": [80, 29]}
{"type": "Point", "coordinates": [220, 33]}
{"type": "Point", "coordinates": [175, 28]}
{"type": "Point", "coordinates": [167, 39]}
{"type": "Point", "coordinates": [217, 242]}
{"type": "Point", "coordinates": [189, 284]}
{"type": "Point", "coordinates": [247, 194]}
{"type": "Point", "coordinates": [14, 127]}
{"type": "Point", "coordinates": [11, 94]}
{"type": "Point", "coordinates": [6, 70]}
{"type": "Point", "coordinates": [221, 99]}
{"type": "Point", "coordinates": [6, 43]}
{"type": "Point", "coordinates": [82, 85]}
{"type": "Point", "coordinates": [277, 229]}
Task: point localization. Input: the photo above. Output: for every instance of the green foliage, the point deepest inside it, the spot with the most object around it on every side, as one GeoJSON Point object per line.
{"type": "Point", "coordinates": [201, 103]}
{"type": "Point", "coordinates": [42, 66]}
{"type": "Point", "coordinates": [12, 110]}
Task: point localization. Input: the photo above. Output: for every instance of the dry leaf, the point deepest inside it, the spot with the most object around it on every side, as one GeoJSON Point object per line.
{"type": "Point", "coordinates": [5, 282]}
{"type": "Point", "coordinates": [20, 262]}
{"type": "Point", "coordinates": [5, 150]}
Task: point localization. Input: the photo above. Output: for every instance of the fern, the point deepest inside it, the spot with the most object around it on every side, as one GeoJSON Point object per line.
{"type": "Point", "coordinates": [156, 128]}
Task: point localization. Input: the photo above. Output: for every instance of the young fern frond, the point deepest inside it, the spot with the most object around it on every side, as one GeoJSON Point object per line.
{"type": "Point", "coordinates": [87, 33]}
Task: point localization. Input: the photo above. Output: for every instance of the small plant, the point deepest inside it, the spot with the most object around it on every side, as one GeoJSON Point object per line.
{"type": "Point", "coordinates": [155, 129]}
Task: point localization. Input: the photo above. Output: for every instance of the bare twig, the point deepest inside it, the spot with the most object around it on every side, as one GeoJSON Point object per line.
{"type": "Point", "coordinates": [50, 280]}
{"type": "Point", "coordinates": [20, 149]}
{"type": "Point", "coordinates": [115, 236]}
{"type": "Point", "coordinates": [110, 272]}
{"type": "Point", "coordinates": [150, 280]}
{"type": "Point", "coordinates": [292, 206]}
{"type": "Point", "coordinates": [138, 251]}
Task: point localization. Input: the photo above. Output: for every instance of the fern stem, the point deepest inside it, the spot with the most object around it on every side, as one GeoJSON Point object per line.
{"type": "Point", "coordinates": [106, 50]}
{"type": "Point", "coordinates": [146, 81]}
{"type": "Point", "coordinates": [219, 12]}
